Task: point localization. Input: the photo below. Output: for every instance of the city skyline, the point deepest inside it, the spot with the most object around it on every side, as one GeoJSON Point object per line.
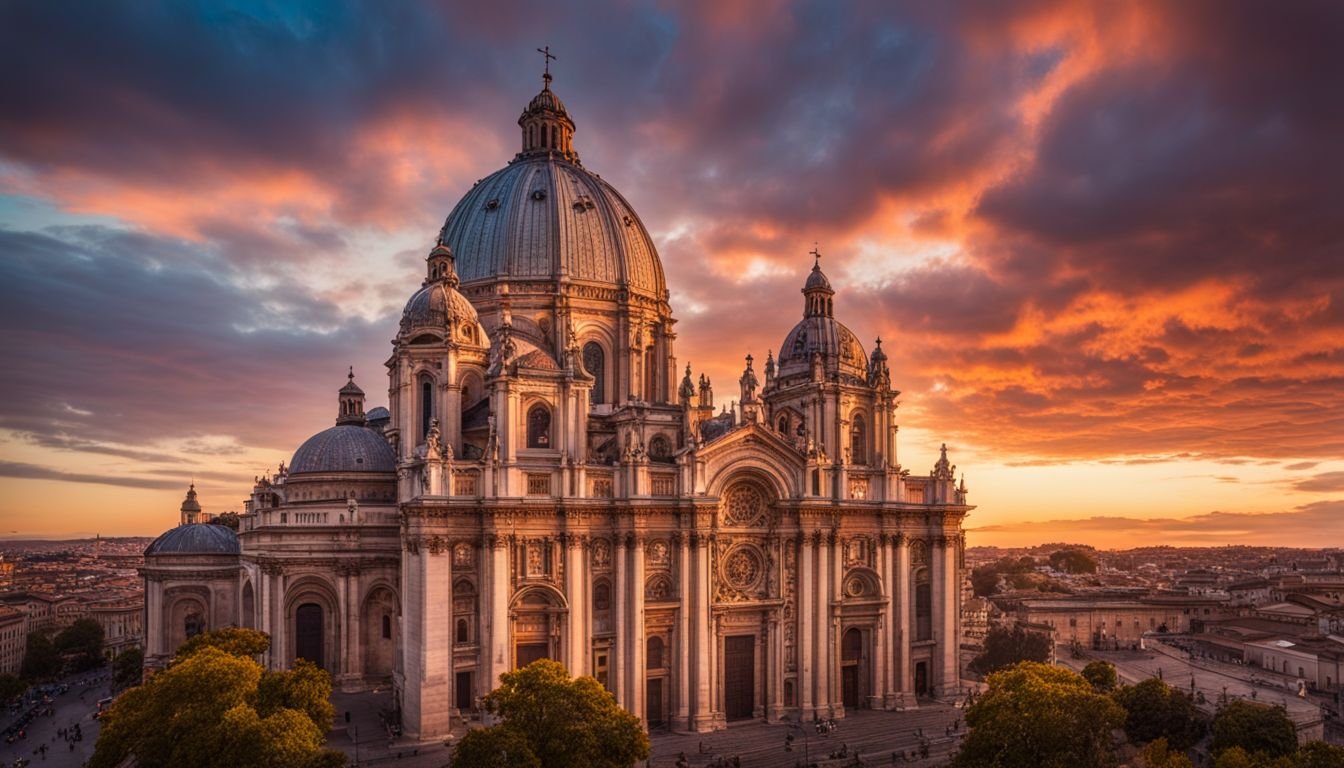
{"type": "Point", "coordinates": [1096, 241]}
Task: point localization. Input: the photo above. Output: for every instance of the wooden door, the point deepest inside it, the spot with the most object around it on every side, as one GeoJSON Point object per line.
{"type": "Point", "coordinates": [739, 677]}
{"type": "Point", "coordinates": [308, 633]}
{"type": "Point", "coordinates": [526, 653]}
{"type": "Point", "coordinates": [653, 701]}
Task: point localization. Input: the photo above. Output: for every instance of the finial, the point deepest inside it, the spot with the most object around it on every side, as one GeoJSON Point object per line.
{"type": "Point", "coordinates": [816, 253]}
{"type": "Point", "coordinates": [547, 57]}
{"type": "Point", "coordinates": [351, 375]}
{"type": "Point", "coordinates": [749, 359]}
{"type": "Point", "coordinates": [879, 342]}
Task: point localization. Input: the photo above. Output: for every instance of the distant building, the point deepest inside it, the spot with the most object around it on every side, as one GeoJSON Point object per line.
{"type": "Point", "coordinates": [13, 639]}
{"type": "Point", "coordinates": [1110, 622]}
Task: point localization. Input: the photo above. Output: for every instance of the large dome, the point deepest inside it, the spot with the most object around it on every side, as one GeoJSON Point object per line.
{"type": "Point", "coordinates": [196, 539]}
{"type": "Point", "coordinates": [344, 448]}
{"type": "Point", "coordinates": [545, 217]}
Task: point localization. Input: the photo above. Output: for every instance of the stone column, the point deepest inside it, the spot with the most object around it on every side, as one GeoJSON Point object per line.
{"type": "Point", "coordinates": [806, 641]}
{"type": "Point", "coordinates": [833, 625]}
{"type": "Point", "coordinates": [620, 642]}
{"type": "Point", "coordinates": [637, 648]}
{"type": "Point", "coordinates": [881, 685]}
{"type": "Point", "coordinates": [700, 615]}
{"type": "Point", "coordinates": [903, 596]}
{"type": "Point", "coordinates": [774, 674]}
{"type": "Point", "coordinates": [949, 680]}
{"type": "Point", "coordinates": [681, 662]}
{"type": "Point", "coordinates": [499, 655]}
{"type": "Point", "coordinates": [574, 645]}
{"type": "Point", "coordinates": [280, 654]}
{"type": "Point", "coordinates": [822, 629]}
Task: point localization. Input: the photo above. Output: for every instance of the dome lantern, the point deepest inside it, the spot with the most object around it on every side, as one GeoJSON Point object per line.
{"type": "Point", "coordinates": [818, 291]}
{"type": "Point", "coordinates": [352, 402]}
{"type": "Point", "coordinates": [547, 127]}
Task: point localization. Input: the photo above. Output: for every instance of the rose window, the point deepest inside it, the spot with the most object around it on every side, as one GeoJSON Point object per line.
{"type": "Point", "coordinates": [744, 505]}
{"type": "Point", "coordinates": [742, 569]}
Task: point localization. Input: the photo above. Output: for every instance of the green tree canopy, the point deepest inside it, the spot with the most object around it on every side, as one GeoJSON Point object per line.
{"type": "Point", "coordinates": [10, 688]}
{"type": "Point", "coordinates": [1005, 647]}
{"type": "Point", "coordinates": [1154, 710]}
{"type": "Point", "coordinates": [1255, 728]}
{"type": "Point", "coordinates": [226, 519]}
{"type": "Point", "coordinates": [494, 748]}
{"type": "Point", "coordinates": [1318, 754]}
{"type": "Point", "coordinates": [84, 641]}
{"type": "Point", "coordinates": [1072, 561]}
{"type": "Point", "coordinates": [1102, 676]}
{"type": "Point", "coordinates": [128, 668]}
{"type": "Point", "coordinates": [1158, 755]}
{"type": "Point", "coordinates": [1037, 716]}
{"type": "Point", "coordinates": [565, 722]}
{"type": "Point", "coordinates": [207, 710]}
{"type": "Point", "coordinates": [41, 659]}
{"type": "Point", "coordinates": [235, 641]}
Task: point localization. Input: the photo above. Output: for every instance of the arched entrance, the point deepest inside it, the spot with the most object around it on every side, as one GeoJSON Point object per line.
{"type": "Point", "coordinates": [536, 614]}
{"type": "Point", "coordinates": [308, 633]}
{"type": "Point", "coordinates": [852, 668]}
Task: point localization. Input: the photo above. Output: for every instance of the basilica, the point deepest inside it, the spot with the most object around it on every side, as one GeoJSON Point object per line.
{"type": "Point", "coordinates": [547, 481]}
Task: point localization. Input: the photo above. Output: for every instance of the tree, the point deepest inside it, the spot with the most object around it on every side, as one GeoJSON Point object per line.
{"type": "Point", "coordinates": [1102, 676]}
{"type": "Point", "coordinates": [565, 722]}
{"type": "Point", "coordinates": [494, 748]}
{"type": "Point", "coordinates": [1318, 754]}
{"type": "Point", "coordinates": [1154, 710]}
{"type": "Point", "coordinates": [1072, 561]}
{"type": "Point", "coordinates": [83, 640]}
{"type": "Point", "coordinates": [10, 688]}
{"type": "Point", "coordinates": [984, 581]}
{"type": "Point", "coordinates": [1158, 755]}
{"type": "Point", "coordinates": [207, 710]}
{"type": "Point", "coordinates": [128, 668]}
{"type": "Point", "coordinates": [41, 660]}
{"type": "Point", "coordinates": [235, 641]}
{"type": "Point", "coordinates": [1005, 647]}
{"type": "Point", "coordinates": [1236, 757]}
{"type": "Point", "coordinates": [1255, 728]}
{"type": "Point", "coordinates": [1038, 716]}
{"type": "Point", "coordinates": [226, 519]}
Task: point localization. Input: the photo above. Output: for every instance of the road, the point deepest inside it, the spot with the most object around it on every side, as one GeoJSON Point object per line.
{"type": "Point", "coordinates": [76, 706]}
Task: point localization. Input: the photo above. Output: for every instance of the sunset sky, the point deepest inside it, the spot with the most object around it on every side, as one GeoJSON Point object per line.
{"type": "Point", "coordinates": [1103, 243]}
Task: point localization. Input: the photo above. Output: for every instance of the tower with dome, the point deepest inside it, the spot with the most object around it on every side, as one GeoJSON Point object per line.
{"type": "Point", "coordinates": [547, 482]}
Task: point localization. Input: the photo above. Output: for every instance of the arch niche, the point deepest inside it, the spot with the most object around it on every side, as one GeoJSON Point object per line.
{"type": "Point", "coordinates": [249, 606]}
{"type": "Point", "coordinates": [537, 617]}
{"type": "Point", "coordinates": [312, 623]}
{"type": "Point", "coordinates": [379, 622]}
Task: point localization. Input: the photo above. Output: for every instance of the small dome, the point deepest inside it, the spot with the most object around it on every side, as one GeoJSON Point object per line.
{"type": "Point", "coordinates": [539, 360]}
{"type": "Point", "coordinates": [838, 346]}
{"type": "Point", "coordinates": [378, 413]}
{"type": "Point", "coordinates": [546, 100]}
{"type": "Point", "coordinates": [817, 280]}
{"type": "Point", "coordinates": [344, 448]}
{"type": "Point", "coordinates": [190, 504]}
{"type": "Point", "coordinates": [435, 305]}
{"type": "Point", "coordinates": [195, 539]}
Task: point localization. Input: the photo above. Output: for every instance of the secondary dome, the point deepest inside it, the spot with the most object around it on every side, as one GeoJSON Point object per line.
{"type": "Point", "coordinates": [820, 334]}
{"type": "Point", "coordinates": [195, 539]}
{"type": "Point", "coordinates": [344, 448]}
{"type": "Point", "coordinates": [438, 304]}
{"type": "Point", "coordinates": [545, 217]}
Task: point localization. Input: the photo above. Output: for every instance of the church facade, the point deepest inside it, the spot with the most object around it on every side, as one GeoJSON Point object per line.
{"type": "Point", "coordinates": [547, 482]}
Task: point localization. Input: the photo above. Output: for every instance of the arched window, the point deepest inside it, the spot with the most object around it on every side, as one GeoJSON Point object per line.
{"type": "Point", "coordinates": [858, 440]}
{"type": "Point", "coordinates": [601, 597]}
{"type": "Point", "coordinates": [784, 425]}
{"type": "Point", "coordinates": [426, 406]}
{"type": "Point", "coordinates": [653, 653]}
{"type": "Point", "coordinates": [539, 427]}
{"type": "Point", "coordinates": [594, 362]}
{"type": "Point", "coordinates": [463, 632]}
{"type": "Point", "coordinates": [387, 627]}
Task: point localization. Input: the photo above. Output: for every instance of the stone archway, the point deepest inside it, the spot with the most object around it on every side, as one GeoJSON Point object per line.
{"type": "Point", "coordinates": [536, 616]}
{"type": "Point", "coordinates": [378, 621]}
{"type": "Point", "coordinates": [308, 633]}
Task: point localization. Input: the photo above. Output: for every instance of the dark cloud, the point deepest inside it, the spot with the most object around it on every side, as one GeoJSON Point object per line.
{"type": "Point", "coordinates": [149, 338]}
{"type": "Point", "coordinates": [1325, 482]}
{"type": "Point", "coordinates": [33, 472]}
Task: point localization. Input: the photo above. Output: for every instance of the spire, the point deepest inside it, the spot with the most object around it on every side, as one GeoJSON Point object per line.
{"type": "Point", "coordinates": [817, 289]}
{"type": "Point", "coordinates": [547, 127]}
{"type": "Point", "coordinates": [351, 399]}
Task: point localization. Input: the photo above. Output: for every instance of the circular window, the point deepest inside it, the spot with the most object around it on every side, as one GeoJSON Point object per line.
{"type": "Point", "coordinates": [742, 568]}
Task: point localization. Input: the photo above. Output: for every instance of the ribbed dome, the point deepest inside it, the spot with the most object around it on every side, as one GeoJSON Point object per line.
{"type": "Point", "coordinates": [434, 305]}
{"type": "Point", "coordinates": [543, 217]}
{"type": "Point", "coordinates": [344, 448]}
{"type": "Point", "coordinates": [196, 539]}
{"type": "Point", "coordinates": [817, 280]}
{"type": "Point", "coordinates": [837, 344]}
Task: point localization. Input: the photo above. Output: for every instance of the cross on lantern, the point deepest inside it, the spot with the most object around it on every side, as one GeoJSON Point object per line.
{"type": "Point", "coordinates": [547, 56]}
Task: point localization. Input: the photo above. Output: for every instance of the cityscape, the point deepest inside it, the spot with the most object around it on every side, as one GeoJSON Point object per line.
{"type": "Point", "coordinates": [772, 384]}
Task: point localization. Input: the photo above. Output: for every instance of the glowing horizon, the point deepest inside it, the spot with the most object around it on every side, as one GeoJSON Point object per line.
{"type": "Point", "coordinates": [1099, 242]}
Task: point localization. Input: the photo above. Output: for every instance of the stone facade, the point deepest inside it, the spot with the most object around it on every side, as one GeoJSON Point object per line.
{"type": "Point", "coordinates": [548, 486]}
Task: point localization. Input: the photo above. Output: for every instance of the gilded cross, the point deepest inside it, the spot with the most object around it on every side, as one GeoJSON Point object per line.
{"type": "Point", "coordinates": [547, 57]}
